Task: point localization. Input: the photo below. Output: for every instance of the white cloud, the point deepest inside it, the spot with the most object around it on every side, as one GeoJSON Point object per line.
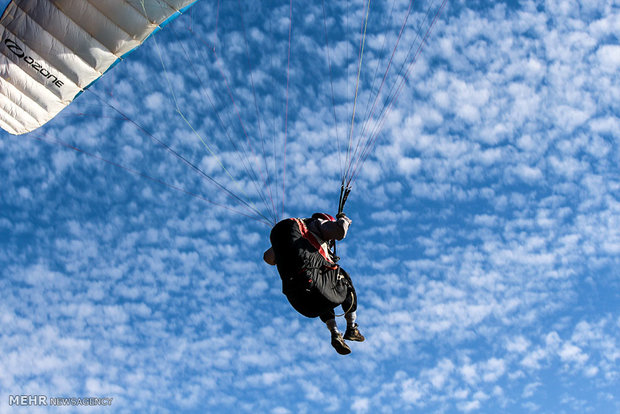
{"type": "Point", "coordinates": [409, 166]}
{"type": "Point", "coordinates": [469, 406]}
{"type": "Point", "coordinates": [494, 368]}
{"type": "Point", "coordinates": [62, 160]}
{"type": "Point", "coordinates": [609, 58]}
{"type": "Point", "coordinates": [361, 405]}
{"type": "Point", "coordinates": [528, 173]}
{"type": "Point", "coordinates": [483, 246]}
{"type": "Point", "coordinates": [518, 344]}
{"type": "Point", "coordinates": [572, 353]}
{"type": "Point", "coordinates": [440, 374]}
{"type": "Point", "coordinates": [530, 389]}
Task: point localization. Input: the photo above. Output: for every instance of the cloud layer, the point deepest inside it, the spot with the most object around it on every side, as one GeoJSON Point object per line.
{"type": "Point", "coordinates": [484, 244]}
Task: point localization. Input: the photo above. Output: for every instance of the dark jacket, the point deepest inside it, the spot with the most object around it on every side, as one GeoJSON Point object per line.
{"type": "Point", "coordinates": [311, 280]}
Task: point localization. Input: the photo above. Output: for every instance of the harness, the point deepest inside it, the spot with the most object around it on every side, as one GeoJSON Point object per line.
{"type": "Point", "coordinates": [320, 247]}
{"type": "Point", "coordinates": [311, 280]}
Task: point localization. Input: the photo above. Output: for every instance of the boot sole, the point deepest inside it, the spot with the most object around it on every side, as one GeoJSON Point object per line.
{"type": "Point", "coordinates": [342, 349]}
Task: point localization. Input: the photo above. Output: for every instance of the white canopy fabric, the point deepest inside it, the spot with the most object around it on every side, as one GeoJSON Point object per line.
{"type": "Point", "coordinates": [51, 50]}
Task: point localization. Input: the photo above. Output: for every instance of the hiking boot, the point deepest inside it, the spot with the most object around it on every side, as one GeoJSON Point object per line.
{"type": "Point", "coordinates": [339, 344]}
{"type": "Point", "coordinates": [353, 334]}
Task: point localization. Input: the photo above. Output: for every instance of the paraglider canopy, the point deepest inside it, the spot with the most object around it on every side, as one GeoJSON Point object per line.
{"type": "Point", "coordinates": [52, 51]}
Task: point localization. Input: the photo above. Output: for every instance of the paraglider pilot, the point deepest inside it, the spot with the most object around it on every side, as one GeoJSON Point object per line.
{"type": "Point", "coordinates": [311, 280]}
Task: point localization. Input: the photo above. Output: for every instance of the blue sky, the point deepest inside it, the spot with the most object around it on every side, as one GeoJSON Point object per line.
{"type": "Point", "coordinates": [485, 241]}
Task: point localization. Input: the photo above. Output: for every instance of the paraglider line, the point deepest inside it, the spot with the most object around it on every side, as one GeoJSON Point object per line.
{"type": "Point", "coordinates": [331, 82]}
{"type": "Point", "coordinates": [274, 129]}
{"type": "Point", "coordinates": [180, 112]}
{"type": "Point", "coordinates": [359, 69]}
{"type": "Point", "coordinates": [374, 76]}
{"type": "Point", "coordinates": [288, 68]}
{"type": "Point", "coordinates": [372, 110]}
{"type": "Point", "coordinates": [141, 174]}
{"type": "Point", "coordinates": [244, 159]}
{"type": "Point", "coordinates": [383, 117]}
{"type": "Point", "coordinates": [258, 117]}
{"type": "Point", "coordinates": [217, 20]}
{"type": "Point", "coordinates": [179, 156]}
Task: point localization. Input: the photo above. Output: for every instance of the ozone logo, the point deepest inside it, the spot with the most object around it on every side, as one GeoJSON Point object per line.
{"type": "Point", "coordinates": [14, 47]}
{"type": "Point", "coordinates": [17, 50]}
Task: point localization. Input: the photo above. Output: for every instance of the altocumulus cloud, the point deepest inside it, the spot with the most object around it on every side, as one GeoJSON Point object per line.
{"type": "Point", "coordinates": [484, 244]}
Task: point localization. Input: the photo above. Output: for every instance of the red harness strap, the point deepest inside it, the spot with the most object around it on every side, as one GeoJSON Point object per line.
{"type": "Point", "coordinates": [307, 234]}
